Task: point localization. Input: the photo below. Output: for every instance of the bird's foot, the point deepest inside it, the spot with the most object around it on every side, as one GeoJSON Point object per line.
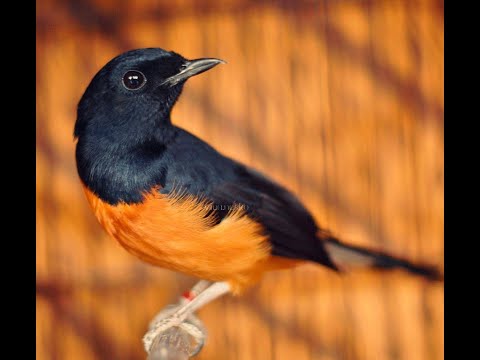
{"type": "Point", "coordinates": [173, 316]}
{"type": "Point", "coordinates": [181, 315]}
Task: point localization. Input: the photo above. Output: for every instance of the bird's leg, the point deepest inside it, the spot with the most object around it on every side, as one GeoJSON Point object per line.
{"type": "Point", "coordinates": [186, 297]}
{"type": "Point", "coordinates": [201, 294]}
{"type": "Point", "coordinates": [195, 290]}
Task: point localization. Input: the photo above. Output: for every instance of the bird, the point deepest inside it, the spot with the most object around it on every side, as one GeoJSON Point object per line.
{"type": "Point", "coordinates": [174, 201]}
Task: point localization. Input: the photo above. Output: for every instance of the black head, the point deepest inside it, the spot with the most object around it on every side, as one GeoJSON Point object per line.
{"type": "Point", "coordinates": [136, 90]}
{"type": "Point", "coordinates": [123, 121]}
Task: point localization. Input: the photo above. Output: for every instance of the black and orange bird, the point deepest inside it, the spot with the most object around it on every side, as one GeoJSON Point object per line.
{"type": "Point", "coordinates": [174, 201]}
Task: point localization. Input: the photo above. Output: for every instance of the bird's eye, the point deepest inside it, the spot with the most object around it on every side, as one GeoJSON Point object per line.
{"type": "Point", "coordinates": [133, 80]}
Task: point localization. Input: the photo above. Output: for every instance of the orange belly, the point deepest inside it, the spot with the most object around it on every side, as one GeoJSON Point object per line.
{"type": "Point", "coordinates": [174, 233]}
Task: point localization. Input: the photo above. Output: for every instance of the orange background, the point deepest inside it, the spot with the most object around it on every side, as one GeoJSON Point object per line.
{"type": "Point", "coordinates": [340, 101]}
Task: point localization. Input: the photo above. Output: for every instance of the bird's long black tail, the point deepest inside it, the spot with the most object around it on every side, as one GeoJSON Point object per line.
{"type": "Point", "coordinates": [348, 256]}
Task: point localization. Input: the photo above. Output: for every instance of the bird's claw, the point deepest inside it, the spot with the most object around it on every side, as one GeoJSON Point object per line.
{"type": "Point", "coordinates": [167, 319]}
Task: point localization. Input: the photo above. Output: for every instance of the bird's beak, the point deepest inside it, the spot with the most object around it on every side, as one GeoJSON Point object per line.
{"type": "Point", "coordinates": [191, 68]}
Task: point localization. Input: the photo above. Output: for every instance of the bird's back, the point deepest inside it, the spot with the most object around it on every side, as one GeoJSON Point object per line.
{"type": "Point", "coordinates": [195, 168]}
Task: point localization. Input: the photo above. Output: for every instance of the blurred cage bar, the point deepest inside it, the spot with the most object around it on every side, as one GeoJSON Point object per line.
{"type": "Point", "coordinates": [340, 101]}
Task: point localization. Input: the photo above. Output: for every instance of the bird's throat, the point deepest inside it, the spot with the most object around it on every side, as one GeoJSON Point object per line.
{"type": "Point", "coordinates": [124, 173]}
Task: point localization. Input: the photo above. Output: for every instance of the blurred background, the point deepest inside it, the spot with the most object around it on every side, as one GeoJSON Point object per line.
{"type": "Point", "coordinates": [340, 101]}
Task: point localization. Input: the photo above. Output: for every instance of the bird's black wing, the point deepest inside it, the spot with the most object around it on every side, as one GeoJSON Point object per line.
{"type": "Point", "coordinates": [290, 227]}
{"type": "Point", "coordinates": [194, 167]}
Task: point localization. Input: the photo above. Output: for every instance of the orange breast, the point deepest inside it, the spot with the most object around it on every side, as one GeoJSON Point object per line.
{"type": "Point", "coordinates": [176, 234]}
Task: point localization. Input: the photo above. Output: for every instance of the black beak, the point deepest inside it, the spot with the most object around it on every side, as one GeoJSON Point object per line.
{"type": "Point", "coordinates": [191, 68]}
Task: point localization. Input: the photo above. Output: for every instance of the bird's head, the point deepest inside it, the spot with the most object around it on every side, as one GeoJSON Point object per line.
{"type": "Point", "coordinates": [136, 91]}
